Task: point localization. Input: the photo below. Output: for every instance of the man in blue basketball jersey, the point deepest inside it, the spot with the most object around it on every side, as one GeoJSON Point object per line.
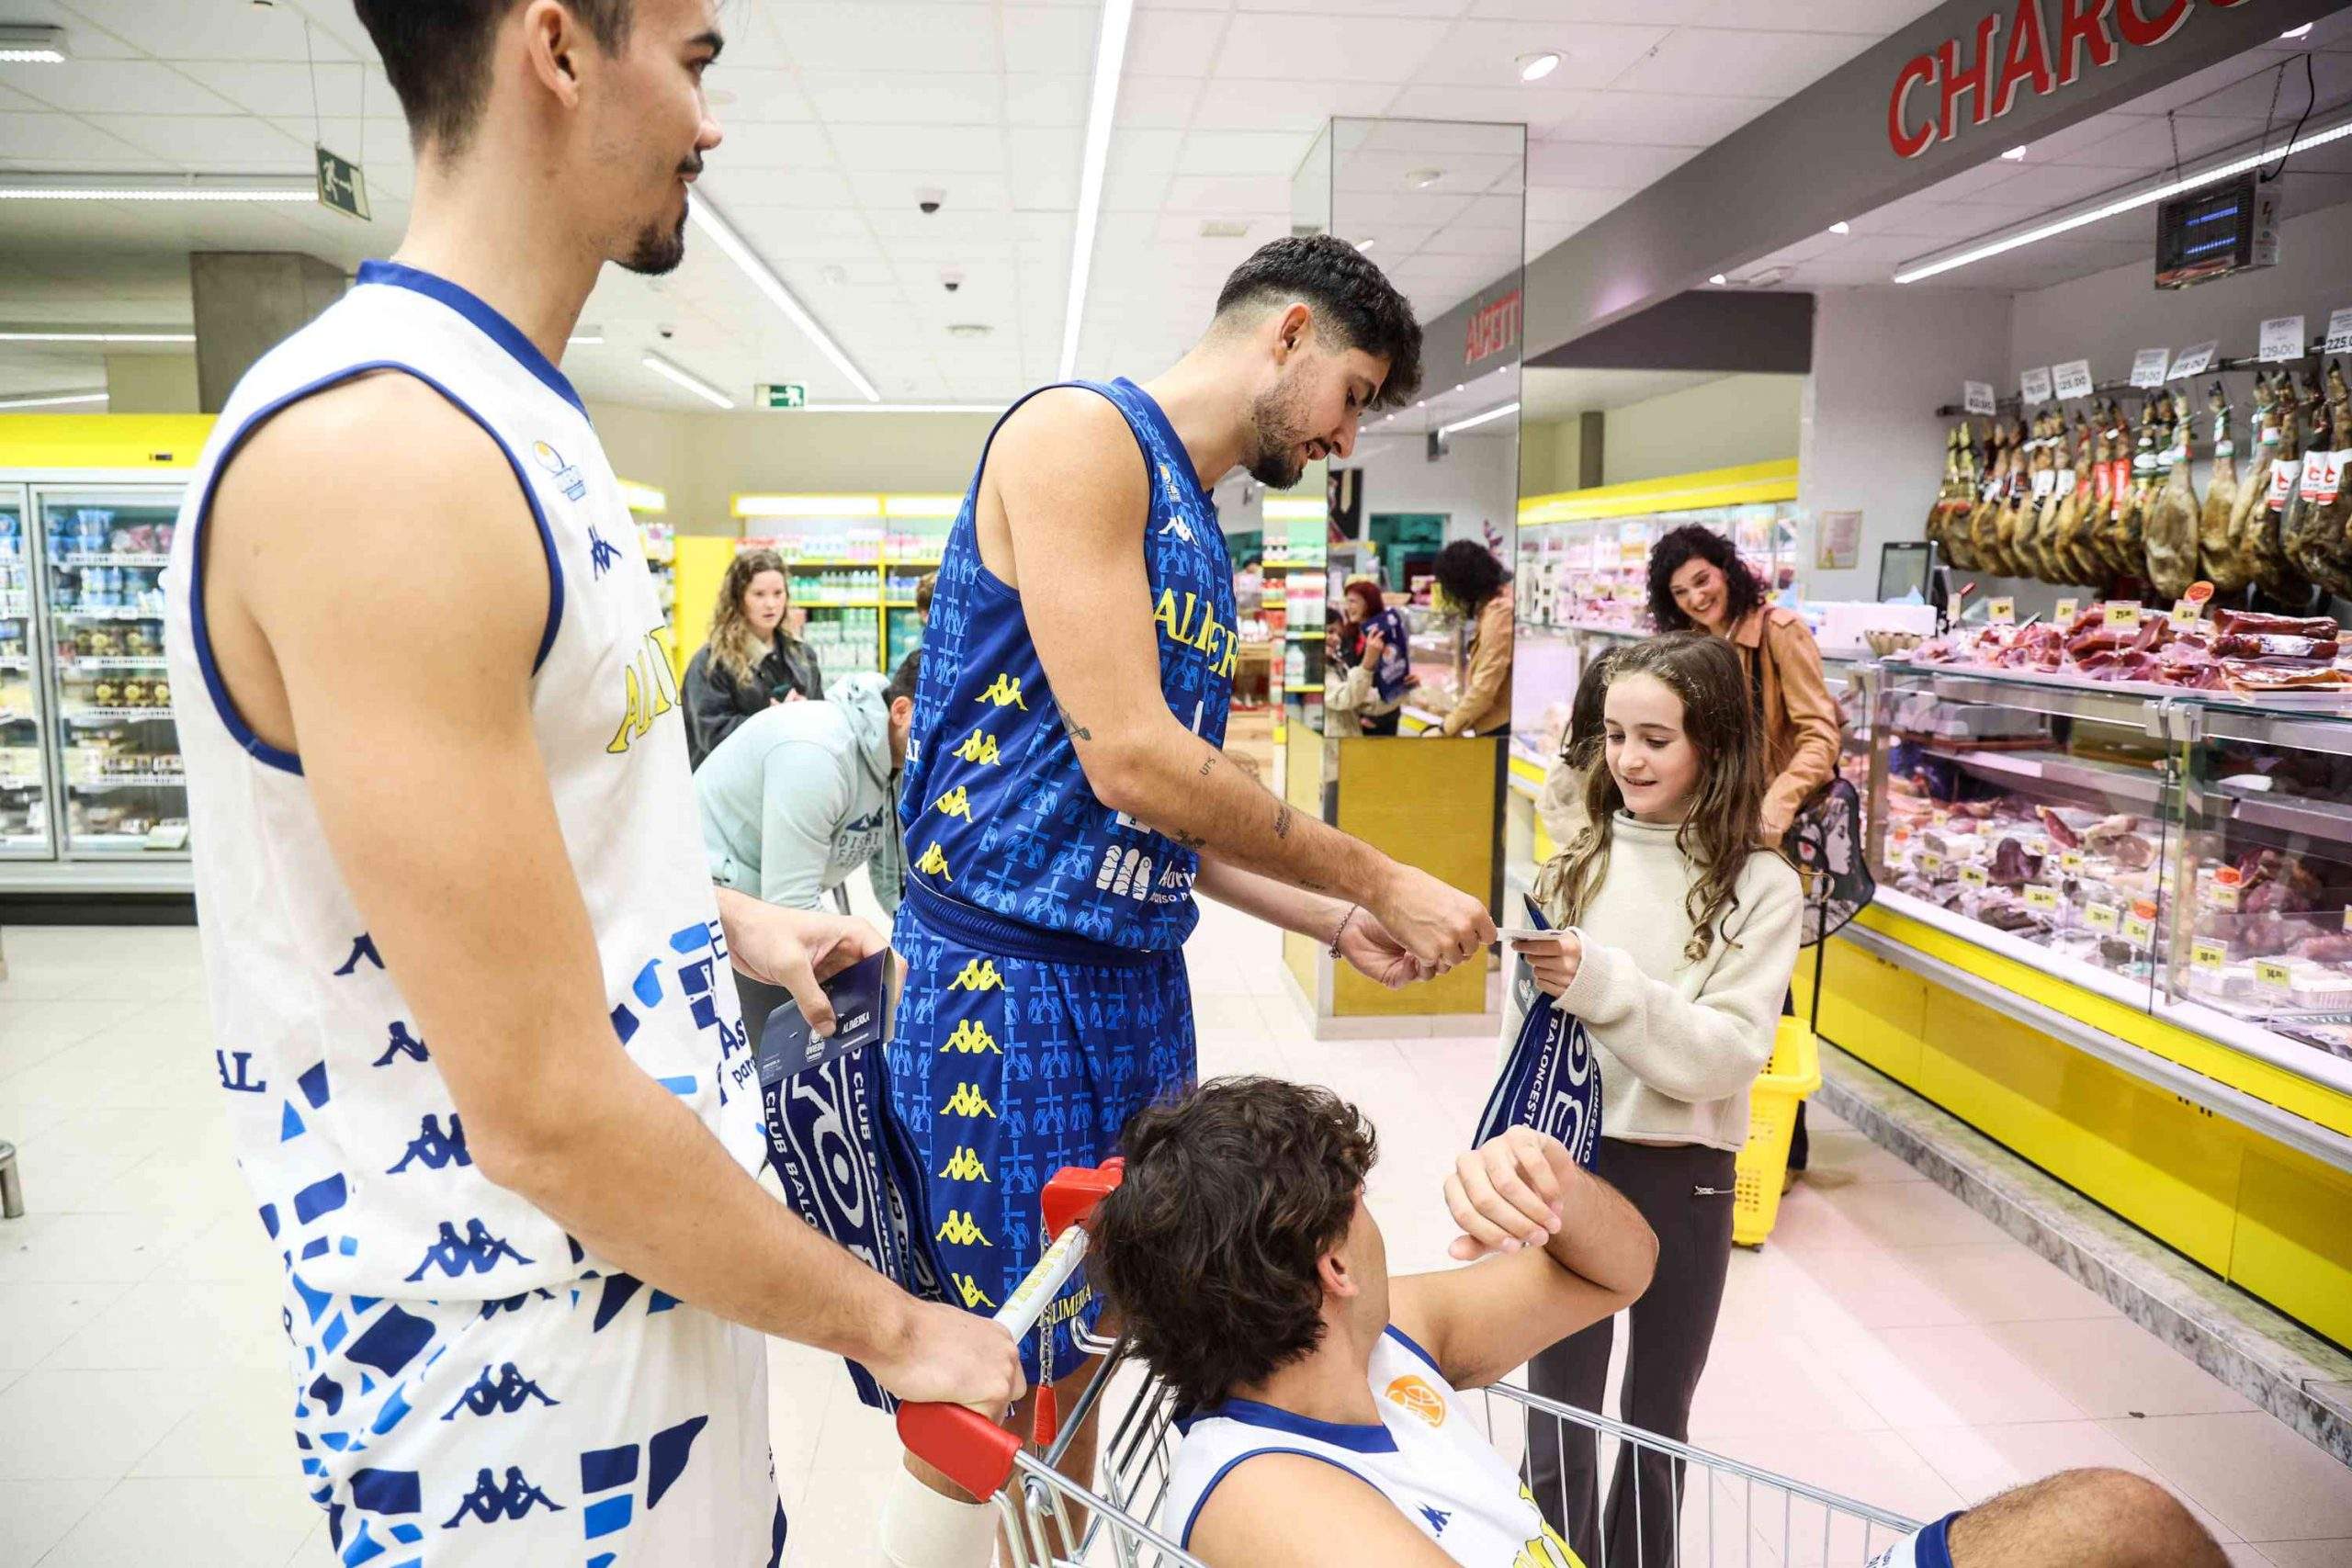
{"type": "Point", "coordinates": [1066, 794]}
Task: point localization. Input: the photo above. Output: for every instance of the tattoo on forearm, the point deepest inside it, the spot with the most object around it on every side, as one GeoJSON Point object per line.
{"type": "Point", "coordinates": [1206, 763]}
{"type": "Point", "coordinates": [1312, 885]}
{"type": "Point", "coordinates": [1281, 822]}
{"type": "Point", "coordinates": [1071, 725]}
{"type": "Point", "coordinates": [1190, 841]}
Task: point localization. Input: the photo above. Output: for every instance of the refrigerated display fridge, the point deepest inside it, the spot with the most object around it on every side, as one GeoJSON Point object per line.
{"type": "Point", "coordinates": [24, 768]}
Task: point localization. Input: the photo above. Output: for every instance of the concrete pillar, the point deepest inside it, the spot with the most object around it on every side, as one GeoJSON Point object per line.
{"type": "Point", "coordinates": [151, 383]}
{"type": "Point", "coordinates": [246, 303]}
{"type": "Point", "coordinates": [1593, 428]}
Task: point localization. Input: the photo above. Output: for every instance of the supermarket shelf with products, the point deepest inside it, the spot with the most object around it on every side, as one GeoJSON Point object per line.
{"type": "Point", "coordinates": [854, 563]}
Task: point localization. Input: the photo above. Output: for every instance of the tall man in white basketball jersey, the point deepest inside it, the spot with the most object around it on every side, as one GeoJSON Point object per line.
{"type": "Point", "coordinates": [487, 1073]}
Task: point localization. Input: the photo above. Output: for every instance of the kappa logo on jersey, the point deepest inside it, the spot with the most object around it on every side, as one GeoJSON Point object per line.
{"type": "Point", "coordinates": [1179, 528]}
{"type": "Point", "coordinates": [967, 1101]}
{"type": "Point", "coordinates": [969, 1288]}
{"type": "Point", "coordinates": [955, 803]}
{"type": "Point", "coordinates": [1412, 1394]}
{"type": "Point", "coordinates": [957, 1230]}
{"type": "Point", "coordinates": [933, 864]}
{"type": "Point", "coordinates": [477, 1250]}
{"type": "Point", "coordinates": [651, 691]}
{"type": "Point", "coordinates": [978, 975]}
{"type": "Point", "coordinates": [602, 554]}
{"type": "Point", "coordinates": [402, 1043]}
{"type": "Point", "coordinates": [1438, 1517]}
{"type": "Point", "coordinates": [566, 477]}
{"type": "Point", "coordinates": [437, 1149]}
{"type": "Point", "coordinates": [1005, 692]}
{"type": "Point", "coordinates": [964, 1166]}
{"type": "Point", "coordinates": [978, 747]}
{"type": "Point", "coordinates": [362, 950]}
{"type": "Point", "coordinates": [491, 1503]}
{"type": "Point", "coordinates": [508, 1394]}
{"type": "Point", "coordinates": [1196, 627]}
{"type": "Point", "coordinates": [971, 1038]}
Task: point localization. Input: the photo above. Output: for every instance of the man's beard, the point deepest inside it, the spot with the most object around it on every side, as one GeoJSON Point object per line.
{"type": "Point", "coordinates": [658, 252]}
{"type": "Point", "coordinates": [1276, 419]}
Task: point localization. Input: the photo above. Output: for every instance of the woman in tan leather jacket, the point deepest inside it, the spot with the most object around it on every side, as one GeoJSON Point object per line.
{"type": "Point", "coordinates": [1477, 587]}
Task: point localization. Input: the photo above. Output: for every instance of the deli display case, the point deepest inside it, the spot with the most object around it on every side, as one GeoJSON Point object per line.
{"type": "Point", "coordinates": [25, 827]}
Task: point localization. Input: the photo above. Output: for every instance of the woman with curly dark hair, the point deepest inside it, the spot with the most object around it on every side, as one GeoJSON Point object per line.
{"type": "Point", "coordinates": [1473, 584]}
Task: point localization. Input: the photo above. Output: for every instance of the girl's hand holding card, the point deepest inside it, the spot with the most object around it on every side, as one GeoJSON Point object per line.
{"type": "Point", "coordinates": [1553, 957]}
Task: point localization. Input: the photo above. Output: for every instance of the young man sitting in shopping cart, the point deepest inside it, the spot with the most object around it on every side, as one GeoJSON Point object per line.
{"type": "Point", "coordinates": [1323, 1418]}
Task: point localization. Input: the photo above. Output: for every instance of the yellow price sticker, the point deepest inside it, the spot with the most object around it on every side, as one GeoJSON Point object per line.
{"type": "Point", "coordinates": [2070, 860]}
{"type": "Point", "coordinates": [2041, 900]}
{"type": "Point", "coordinates": [2186, 614]}
{"type": "Point", "coordinates": [2102, 916]}
{"type": "Point", "coordinates": [1974, 876]}
{"type": "Point", "coordinates": [1930, 862]}
{"type": "Point", "coordinates": [2001, 612]}
{"type": "Point", "coordinates": [2123, 615]}
{"type": "Point", "coordinates": [2139, 930]}
{"type": "Point", "coordinates": [2208, 957]}
{"type": "Point", "coordinates": [2066, 611]}
{"type": "Point", "coordinates": [2222, 896]}
{"type": "Point", "coordinates": [2272, 974]}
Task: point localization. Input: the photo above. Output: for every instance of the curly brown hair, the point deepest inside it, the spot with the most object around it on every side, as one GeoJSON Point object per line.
{"type": "Point", "coordinates": [1208, 1252]}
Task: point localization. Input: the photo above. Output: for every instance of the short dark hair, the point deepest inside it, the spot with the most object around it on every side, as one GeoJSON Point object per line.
{"type": "Point", "coordinates": [437, 54]}
{"type": "Point", "coordinates": [1208, 1252]}
{"type": "Point", "coordinates": [1678, 548]}
{"type": "Point", "coordinates": [1469, 574]}
{"type": "Point", "coordinates": [1588, 716]}
{"type": "Point", "coordinates": [905, 679]}
{"type": "Point", "coordinates": [1351, 298]}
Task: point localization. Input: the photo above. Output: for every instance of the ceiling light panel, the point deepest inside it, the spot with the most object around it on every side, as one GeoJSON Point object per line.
{"type": "Point", "coordinates": [1102, 109]}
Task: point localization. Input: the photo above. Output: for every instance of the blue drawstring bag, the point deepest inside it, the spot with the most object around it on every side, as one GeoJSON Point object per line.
{"type": "Point", "coordinates": [1551, 1081]}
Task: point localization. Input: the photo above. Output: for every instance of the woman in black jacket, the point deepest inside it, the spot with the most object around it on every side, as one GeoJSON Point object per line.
{"type": "Point", "coordinates": [751, 660]}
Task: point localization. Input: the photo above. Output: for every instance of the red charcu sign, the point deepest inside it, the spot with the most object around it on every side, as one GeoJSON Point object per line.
{"type": "Point", "coordinates": [2046, 45]}
{"type": "Point", "coordinates": [1493, 328]}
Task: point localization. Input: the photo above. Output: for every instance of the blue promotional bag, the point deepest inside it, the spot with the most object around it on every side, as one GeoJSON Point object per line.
{"type": "Point", "coordinates": [1551, 1081]}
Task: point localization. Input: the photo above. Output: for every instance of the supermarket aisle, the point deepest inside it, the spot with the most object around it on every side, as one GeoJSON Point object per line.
{"type": "Point", "coordinates": [1889, 1343]}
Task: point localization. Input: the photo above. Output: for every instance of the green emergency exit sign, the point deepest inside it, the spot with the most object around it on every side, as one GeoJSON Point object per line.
{"type": "Point", "coordinates": [784, 395]}
{"type": "Point", "coordinates": [341, 186]}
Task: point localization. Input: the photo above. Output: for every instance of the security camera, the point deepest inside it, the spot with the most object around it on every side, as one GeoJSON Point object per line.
{"type": "Point", "coordinates": [930, 198]}
{"type": "Point", "coordinates": [951, 278]}
{"type": "Point", "coordinates": [667, 332]}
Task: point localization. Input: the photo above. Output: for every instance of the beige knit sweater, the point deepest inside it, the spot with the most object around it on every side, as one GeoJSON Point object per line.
{"type": "Point", "coordinates": [1678, 1043]}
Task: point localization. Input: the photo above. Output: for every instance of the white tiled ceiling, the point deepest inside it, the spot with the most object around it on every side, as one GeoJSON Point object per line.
{"type": "Point", "coordinates": [838, 112]}
{"type": "Point", "coordinates": [2218, 108]}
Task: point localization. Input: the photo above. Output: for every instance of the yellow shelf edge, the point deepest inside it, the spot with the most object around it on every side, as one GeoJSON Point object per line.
{"type": "Point", "coordinates": [1745, 484]}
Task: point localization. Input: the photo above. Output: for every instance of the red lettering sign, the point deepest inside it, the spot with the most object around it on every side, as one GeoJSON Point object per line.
{"type": "Point", "coordinates": [2028, 59]}
{"type": "Point", "coordinates": [1906, 142]}
{"type": "Point", "coordinates": [2143, 31]}
{"type": "Point", "coordinates": [1493, 328]}
{"type": "Point", "coordinates": [2083, 22]}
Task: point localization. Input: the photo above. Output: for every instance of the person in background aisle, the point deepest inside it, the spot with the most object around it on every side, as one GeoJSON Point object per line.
{"type": "Point", "coordinates": [1698, 582]}
{"type": "Point", "coordinates": [1561, 804]}
{"type": "Point", "coordinates": [486, 1076]}
{"type": "Point", "coordinates": [754, 657]}
{"type": "Point", "coordinates": [1473, 584]}
{"type": "Point", "coordinates": [803, 794]}
{"type": "Point", "coordinates": [1374, 649]}
{"type": "Point", "coordinates": [1701, 920]}
{"type": "Point", "coordinates": [926, 586]}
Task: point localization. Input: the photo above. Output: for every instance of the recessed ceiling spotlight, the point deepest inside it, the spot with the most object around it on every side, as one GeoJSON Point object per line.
{"type": "Point", "coordinates": [1223, 229]}
{"type": "Point", "coordinates": [2296, 32]}
{"type": "Point", "coordinates": [1719, 280]}
{"type": "Point", "coordinates": [32, 45]}
{"type": "Point", "coordinates": [969, 329]}
{"type": "Point", "coordinates": [1841, 228]}
{"type": "Point", "coordinates": [1535, 67]}
{"type": "Point", "coordinates": [2014, 156]}
{"type": "Point", "coordinates": [1366, 245]}
{"type": "Point", "coordinates": [1421, 179]}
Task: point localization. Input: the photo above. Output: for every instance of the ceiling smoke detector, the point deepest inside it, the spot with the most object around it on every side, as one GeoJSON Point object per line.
{"type": "Point", "coordinates": [1223, 229]}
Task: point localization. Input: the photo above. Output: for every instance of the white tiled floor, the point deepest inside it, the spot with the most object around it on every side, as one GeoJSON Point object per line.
{"type": "Point", "coordinates": [1888, 1344]}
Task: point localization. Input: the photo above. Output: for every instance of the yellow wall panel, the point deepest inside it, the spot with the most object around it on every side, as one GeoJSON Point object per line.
{"type": "Point", "coordinates": [2293, 1245]}
{"type": "Point", "coordinates": [1431, 807]}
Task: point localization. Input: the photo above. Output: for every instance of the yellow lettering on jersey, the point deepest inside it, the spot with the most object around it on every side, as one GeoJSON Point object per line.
{"type": "Point", "coordinates": [649, 691]}
{"type": "Point", "coordinates": [955, 803]}
{"type": "Point", "coordinates": [969, 1288]}
{"type": "Point", "coordinates": [1546, 1551]}
{"type": "Point", "coordinates": [957, 1230]}
{"type": "Point", "coordinates": [978, 747]}
{"type": "Point", "coordinates": [978, 975]}
{"type": "Point", "coordinates": [1005, 692]}
{"type": "Point", "coordinates": [933, 864]}
{"type": "Point", "coordinates": [968, 1102]}
{"type": "Point", "coordinates": [1207, 635]}
{"type": "Point", "coordinates": [971, 1038]}
{"type": "Point", "coordinates": [964, 1165]}
{"type": "Point", "coordinates": [1165, 614]}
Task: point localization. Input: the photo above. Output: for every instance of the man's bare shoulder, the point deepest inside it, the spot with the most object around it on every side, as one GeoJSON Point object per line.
{"type": "Point", "coordinates": [1069, 437]}
{"type": "Point", "coordinates": [375, 439]}
{"type": "Point", "coordinates": [1280, 1508]}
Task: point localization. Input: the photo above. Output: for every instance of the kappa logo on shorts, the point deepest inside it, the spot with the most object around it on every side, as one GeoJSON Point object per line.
{"type": "Point", "coordinates": [933, 864]}
{"type": "Point", "coordinates": [955, 803]}
{"type": "Point", "coordinates": [477, 1250]}
{"type": "Point", "coordinates": [971, 1038]}
{"type": "Point", "coordinates": [490, 1503]}
{"type": "Point", "coordinates": [506, 1395]}
{"type": "Point", "coordinates": [964, 1166]}
{"type": "Point", "coordinates": [958, 1230]}
{"type": "Point", "coordinates": [969, 1288]}
{"type": "Point", "coordinates": [1417, 1397]}
{"type": "Point", "coordinates": [978, 975]}
{"type": "Point", "coordinates": [978, 747]}
{"type": "Point", "coordinates": [1005, 692]}
{"type": "Point", "coordinates": [969, 1102]}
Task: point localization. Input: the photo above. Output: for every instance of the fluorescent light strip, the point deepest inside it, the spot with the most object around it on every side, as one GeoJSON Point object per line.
{"type": "Point", "coordinates": [52, 400]}
{"type": "Point", "coordinates": [1282, 510]}
{"type": "Point", "coordinates": [711, 221]}
{"type": "Point", "coordinates": [98, 337]}
{"type": "Point", "coordinates": [31, 57]}
{"type": "Point", "coordinates": [584, 340]}
{"type": "Point", "coordinates": [2125, 204]}
{"type": "Point", "coordinates": [40, 44]}
{"type": "Point", "coordinates": [825, 506]}
{"type": "Point", "coordinates": [643, 498]}
{"type": "Point", "coordinates": [687, 378]}
{"type": "Point", "coordinates": [1110, 55]}
{"type": "Point", "coordinates": [899, 408]}
{"type": "Point", "coordinates": [1478, 419]}
{"type": "Point", "coordinates": [182, 193]}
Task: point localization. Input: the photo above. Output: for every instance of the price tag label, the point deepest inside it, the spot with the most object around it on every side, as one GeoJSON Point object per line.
{"type": "Point", "coordinates": [2282, 338]}
{"type": "Point", "coordinates": [2148, 367]}
{"type": "Point", "coordinates": [2192, 360]}
{"type": "Point", "coordinates": [2273, 975]}
{"type": "Point", "coordinates": [2067, 610]}
{"type": "Point", "coordinates": [2348, 919]}
{"type": "Point", "coordinates": [2209, 956]}
{"type": "Point", "coordinates": [2139, 930]}
{"type": "Point", "coordinates": [2123, 615]}
{"type": "Point", "coordinates": [1974, 876]}
{"type": "Point", "coordinates": [2339, 330]}
{"type": "Point", "coordinates": [1930, 862]}
{"type": "Point", "coordinates": [2222, 896]}
{"type": "Point", "coordinates": [2070, 861]}
{"type": "Point", "coordinates": [2034, 385]}
{"type": "Point", "coordinates": [2102, 918]}
{"type": "Point", "coordinates": [1976, 397]}
{"type": "Point", "coordinates": [2041, 900]}
{"type": "Point", "coordinates": [2001, 612]}
{"type": "Point", "coordinates": [2073, 380]}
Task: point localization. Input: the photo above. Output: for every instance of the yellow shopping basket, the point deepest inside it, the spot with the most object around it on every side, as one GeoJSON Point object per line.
{"type": "Point", "coordinates": [1794, 1073]}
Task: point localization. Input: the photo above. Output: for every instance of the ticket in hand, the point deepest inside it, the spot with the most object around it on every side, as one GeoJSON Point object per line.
{"type": "Point", "coordinates": [860, 995]}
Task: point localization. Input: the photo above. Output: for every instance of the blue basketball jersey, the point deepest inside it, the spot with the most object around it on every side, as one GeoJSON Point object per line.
{"type": "Point", "coordinates": [997, 814]}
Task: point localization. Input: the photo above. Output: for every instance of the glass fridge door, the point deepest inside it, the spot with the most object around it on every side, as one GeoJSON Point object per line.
{"type": "Point", "coordinates": [24, 768]}
{"type": "Point", "coordinates": [118, 754]}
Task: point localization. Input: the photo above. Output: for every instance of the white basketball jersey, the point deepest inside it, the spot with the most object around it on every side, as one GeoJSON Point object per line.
{"type": "Point", "coordinates": [1429, 1456]}
{"type": "Point", "coordinates": [342, 1120]}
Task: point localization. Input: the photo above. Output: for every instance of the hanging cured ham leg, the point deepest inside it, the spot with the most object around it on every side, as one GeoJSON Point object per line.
{"type": "Point", "coordinates": [2216, 559]}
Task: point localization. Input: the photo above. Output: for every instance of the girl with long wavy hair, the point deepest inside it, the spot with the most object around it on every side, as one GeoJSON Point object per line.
{"type": "Point", "coordinates": [1677, 931]}
{"type": "Point", "coordinates": [753, 660]}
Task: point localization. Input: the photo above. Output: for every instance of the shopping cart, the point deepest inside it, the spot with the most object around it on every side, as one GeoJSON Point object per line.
{"type": "Point", "coordinates": [1732, 1513]}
